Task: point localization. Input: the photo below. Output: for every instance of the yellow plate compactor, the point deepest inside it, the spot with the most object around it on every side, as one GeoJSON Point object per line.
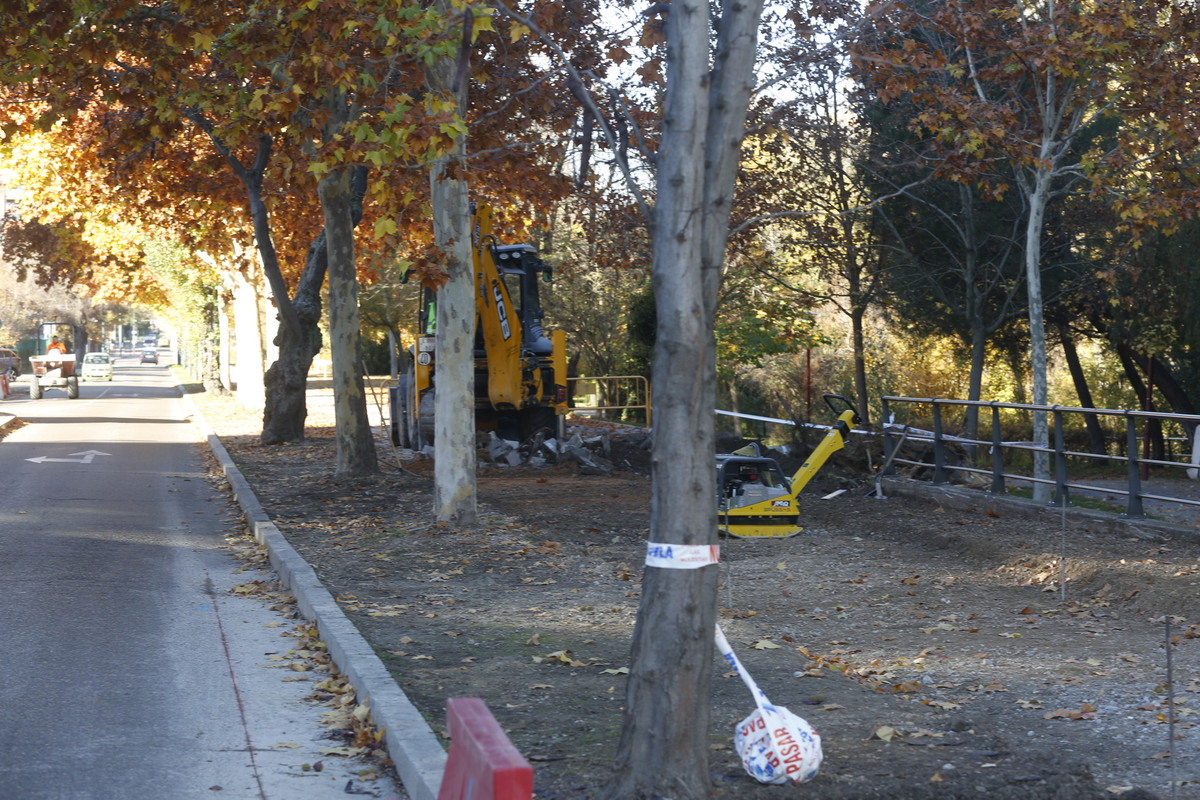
{"type": "Point", "coordinates": [756, 499]}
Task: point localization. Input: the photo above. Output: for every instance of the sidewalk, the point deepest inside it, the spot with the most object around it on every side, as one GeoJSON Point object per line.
{"type": "Point", "coordinates": [418, 755]}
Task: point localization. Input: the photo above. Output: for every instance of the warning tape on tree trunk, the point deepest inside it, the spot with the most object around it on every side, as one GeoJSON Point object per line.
{"type": "Point", "coordinates": [681, 556]}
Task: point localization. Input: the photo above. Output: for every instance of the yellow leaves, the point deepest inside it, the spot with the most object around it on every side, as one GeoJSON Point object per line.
{"type": "Point", "coordinates": [559, 657]}
{"type": "Point", "coordinates": [202, 40]}
{"type": "Point", "coordinates": [385, 226]}
{"type": "Point", "coordinates": [517, 30]}
{"type": "Point", "coordinates": [765, 644]}
{"type": "Point", "coordinates": [455, 129]}
{"type": "Point", "coordinates": [484, 21]}
{"type": "Point", "coordinates": [256, 100]}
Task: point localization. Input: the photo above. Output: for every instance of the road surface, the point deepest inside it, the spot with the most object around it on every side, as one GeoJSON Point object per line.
{"type": "Point", "coordinates": [129, 669]}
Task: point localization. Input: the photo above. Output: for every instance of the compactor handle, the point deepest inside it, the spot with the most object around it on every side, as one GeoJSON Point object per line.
{"type": "Point", "coordinates": [837, 408]}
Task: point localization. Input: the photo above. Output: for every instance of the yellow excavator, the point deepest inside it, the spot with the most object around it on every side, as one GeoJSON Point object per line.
{"type": "Point", "coordinates": [754, 497]}
{"type": "Point", "coordinates": [520, 368]}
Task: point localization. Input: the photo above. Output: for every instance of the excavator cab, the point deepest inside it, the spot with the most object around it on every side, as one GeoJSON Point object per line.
{"type": "Point", "coordinates": [520, 268]}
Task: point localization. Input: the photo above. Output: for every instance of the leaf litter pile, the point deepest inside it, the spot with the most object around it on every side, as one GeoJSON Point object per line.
{"type": "Point", "coordinates": [935, 650]}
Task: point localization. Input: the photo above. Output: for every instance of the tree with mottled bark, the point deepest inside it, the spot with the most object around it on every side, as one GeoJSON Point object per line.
{"type": "Point", "coordinates": [454, 494]}
{"type": "Point", "coordinates": [664, 745]}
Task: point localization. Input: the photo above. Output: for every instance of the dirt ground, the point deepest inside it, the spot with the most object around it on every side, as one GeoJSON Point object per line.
{"type": "Point", "coordinates": [934, 650]}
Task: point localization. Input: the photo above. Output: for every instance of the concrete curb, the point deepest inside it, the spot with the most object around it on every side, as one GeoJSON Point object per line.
{"type": "Point", "coordinates": [964, 499]}
{"type": "Point", "coordinates": [414, 748]}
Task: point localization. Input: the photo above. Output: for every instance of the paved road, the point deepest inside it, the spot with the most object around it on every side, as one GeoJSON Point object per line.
{"type": "Point", "coordinates": [128, 669]}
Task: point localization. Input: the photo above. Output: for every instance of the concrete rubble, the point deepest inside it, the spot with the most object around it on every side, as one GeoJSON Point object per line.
{"type": "Point", "coordinates": [593, 455]}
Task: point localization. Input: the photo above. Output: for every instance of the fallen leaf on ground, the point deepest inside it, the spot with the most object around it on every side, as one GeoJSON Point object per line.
{"type": "Point", "coordinates": [945, 705]}
{"type": "Point", "coordinates": [885, 733]}
{"type": "Point", "coordinates": [1085, 711]}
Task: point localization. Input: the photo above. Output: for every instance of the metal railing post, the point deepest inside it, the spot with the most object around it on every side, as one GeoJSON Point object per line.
{"type": "Point", "coordinates": [1061, 496]}
{"type": "Point", "coordinates": [997, 455]}
{"type": "Point", "coordinates": [939, 453]}
{"type": "Point", "coordinates": [1133, 508]}
{"type": "Point", "coordinates": [888, 445]}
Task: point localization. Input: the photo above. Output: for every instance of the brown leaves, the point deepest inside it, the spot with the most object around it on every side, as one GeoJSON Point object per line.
{"type": "Point", "coordinates": [1085, 711]}
{"type": "Point", "coordinates": [560, 657]}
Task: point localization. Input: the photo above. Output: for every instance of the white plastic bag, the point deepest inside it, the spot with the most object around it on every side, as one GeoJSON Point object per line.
{"type": "Point", "coordinates": [775, 745]}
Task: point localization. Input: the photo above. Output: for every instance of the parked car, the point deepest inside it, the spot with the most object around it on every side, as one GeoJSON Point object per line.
{"type": "Point", "coordinates": [97, 367]}
{"type": "Point", "coordinates": [149, 356]}
{"type": "Point", "coordinates": [10, 362]}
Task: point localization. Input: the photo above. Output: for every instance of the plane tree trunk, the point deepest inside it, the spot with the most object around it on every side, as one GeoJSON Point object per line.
{"type": "Point", "coordinates": [454, 487]}
{"type": "Point", "coordinates": [664, 744]}
{"type": "Point", "coordinates": [355, 443]}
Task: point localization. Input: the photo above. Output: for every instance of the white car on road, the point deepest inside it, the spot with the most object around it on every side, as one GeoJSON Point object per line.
{"type": "Point", "coordinates": [97, 367]}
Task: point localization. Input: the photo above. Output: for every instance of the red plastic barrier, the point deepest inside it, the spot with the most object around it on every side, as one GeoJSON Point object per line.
{"type": "Point", "coordinates": [4, 392]}
{"type": "Point", "coordinates": [483, 764]}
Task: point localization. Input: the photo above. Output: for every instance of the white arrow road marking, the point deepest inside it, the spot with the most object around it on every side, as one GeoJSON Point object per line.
{"type": "Point", "coordinates": [87, 458]}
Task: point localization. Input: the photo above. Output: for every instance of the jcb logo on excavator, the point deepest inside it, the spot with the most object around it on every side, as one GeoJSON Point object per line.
{"type": "Point", "coordinates": [501, 313]}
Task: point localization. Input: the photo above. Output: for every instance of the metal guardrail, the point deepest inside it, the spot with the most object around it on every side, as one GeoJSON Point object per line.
{"type": "Point", "coordinates": [641, 388]}
{"type": "Point", "coordinates": [893, 433]}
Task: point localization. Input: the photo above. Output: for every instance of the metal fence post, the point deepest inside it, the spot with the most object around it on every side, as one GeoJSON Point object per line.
{"type": "Point", "coordinates": [939, 453]}
{"type": "Point", "coordinates": [1133, 508]}
{"type": "Point", "coordinates": [997, 455]}
{"type": "Point", "coordinates": [1061, 496]}
{"type": "Point", "coordinates": [888, 445]}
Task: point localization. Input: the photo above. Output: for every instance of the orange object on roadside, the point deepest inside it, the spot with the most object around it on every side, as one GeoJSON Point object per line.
{"type": "Point", "coordinates": [483, 764]}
